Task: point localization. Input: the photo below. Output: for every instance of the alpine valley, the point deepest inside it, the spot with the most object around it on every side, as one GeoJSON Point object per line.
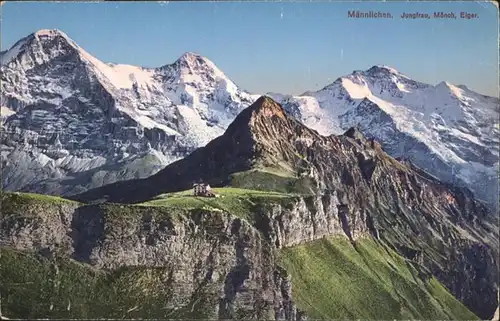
{"type": "Point", "coordinates": [372, 198]}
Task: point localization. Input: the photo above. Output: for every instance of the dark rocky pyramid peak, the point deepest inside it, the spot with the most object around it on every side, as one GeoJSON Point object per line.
{"type": "Point", "coordinates": [382, 69]}
{"type": "Point", "coordinates": [265, 106]}
{"type": "Point", "coordinates": [49, 33]}
{"type": "Point", "coordinates": [263, 112]}
{"type": "Point", "coordinates": [262, 135]}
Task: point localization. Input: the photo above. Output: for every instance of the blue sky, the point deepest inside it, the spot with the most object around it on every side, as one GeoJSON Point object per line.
{"type": "Point", "coordinates": [286, 47]}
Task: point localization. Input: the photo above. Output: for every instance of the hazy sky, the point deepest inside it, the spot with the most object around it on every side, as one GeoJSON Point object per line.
{"type": "Point", "coordinates": [286, 47]}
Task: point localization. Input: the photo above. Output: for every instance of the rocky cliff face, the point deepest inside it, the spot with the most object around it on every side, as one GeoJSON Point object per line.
{"type": "Point", "coordinates": [228, 263]}
{"type": "Point", "coordinates": [357, 189]}
{"type": "Point", "coordinates": [233, 261]}
{"type": "Point", "coordinates": [204, 255]}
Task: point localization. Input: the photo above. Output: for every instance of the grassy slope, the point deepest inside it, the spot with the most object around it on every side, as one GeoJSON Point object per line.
{"type": "Point", "coordinates": [27, 204]}
{"type": "Point", "coordinates": [332, 279]}
{"type": "Point", "coordinates": [272, 180]}
{"type": "Point", "coordinates": [21, 199]}
{"type": "Point", "coordinates": [31, 284]}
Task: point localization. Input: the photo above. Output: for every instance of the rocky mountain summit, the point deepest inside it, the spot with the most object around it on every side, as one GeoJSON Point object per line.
{"type": "Point", "coordinates": [72, 122]}
{"type": "Point", "coordinates": [450, 131]}
{"type": "Point", "coordinates": [354, 184]}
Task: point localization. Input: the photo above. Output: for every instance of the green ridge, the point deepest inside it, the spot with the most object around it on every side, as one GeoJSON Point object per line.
{"type": "Point", "coordinates": [332, 279]}
{"type": "Point", "coordinates": [237, 201]}
{"type": "Point", "coordinates": [28, 204]}
{"type": "Point", "coordinates": [30, 198]}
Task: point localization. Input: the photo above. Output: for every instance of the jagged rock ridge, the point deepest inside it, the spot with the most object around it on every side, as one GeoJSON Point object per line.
{"type": "Point", "coordinates": [359, 183]}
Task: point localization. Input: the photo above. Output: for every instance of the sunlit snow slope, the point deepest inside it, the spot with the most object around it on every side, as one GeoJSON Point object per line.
{"type": "Point", "coordinates": [72, 122]}
{"type": "Point", "coordinates": [450, 131]}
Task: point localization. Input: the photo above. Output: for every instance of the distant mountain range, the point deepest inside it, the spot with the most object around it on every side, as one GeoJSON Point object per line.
{"type": "Point", "coordinates": [72, 123]}
{"type": "Point", "coordinates": [450, 131]}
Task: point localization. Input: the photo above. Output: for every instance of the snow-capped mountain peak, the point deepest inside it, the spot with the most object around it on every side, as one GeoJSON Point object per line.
{"type": "Point", "coordinates": [47, 45]}
{"type": "Point", "coordinates": [451, 131]}
{"type": "Point", "coordinates": [109, 118]}
{"type": "Point", "coordinates": [193, 68]}
{"type": "Point", "coordinates": [364, 83]}
{"type": "Point", "coordinates": [192, 59]}
{"type": "Point", "coordinates": [382, 69]}
{"type": "Point", "coordinates": [51, 33]}
{"type": "Point", "coordinates": [460, 92]}
{"type": "Point", "coordinates": [38, 48]}
{"type": "Point", "coordinates": [444, 85]}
